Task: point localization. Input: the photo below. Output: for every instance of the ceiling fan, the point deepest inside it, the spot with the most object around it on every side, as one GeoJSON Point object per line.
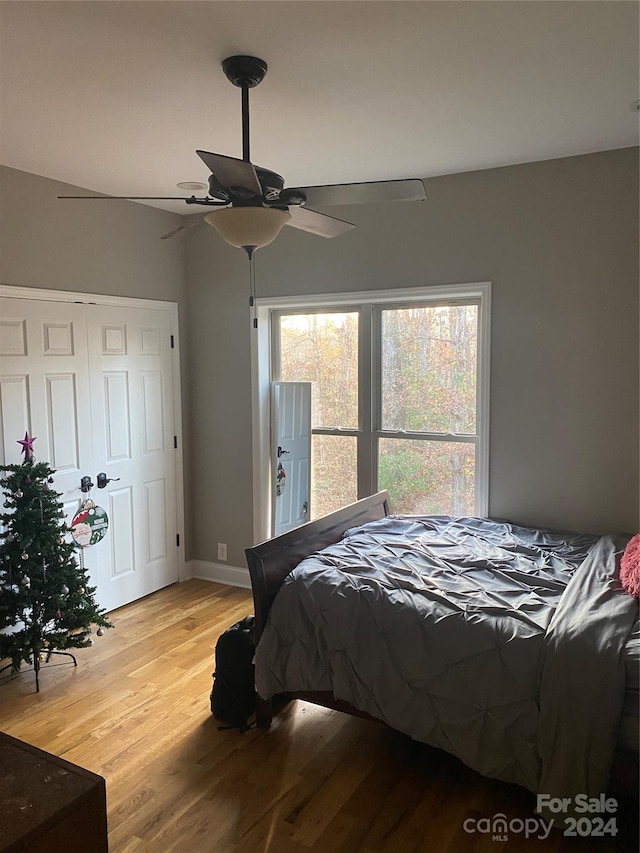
{"type": "Point", "coordinates": [252, 204]}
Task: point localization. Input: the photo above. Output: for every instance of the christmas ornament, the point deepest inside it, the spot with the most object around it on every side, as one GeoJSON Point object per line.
{"type": "Point", "coordinates": [18, 494]}
{"type": "Point", "coordinates": [100, 632]}
{"type": "Point", "coordinates": [89, 525]}
{"type": "Point", "coordinates": [65, 590]}
{"type": "Point", "coordinates": [81, 590]}
{"type": "Point", "coordinates": [24, 556]}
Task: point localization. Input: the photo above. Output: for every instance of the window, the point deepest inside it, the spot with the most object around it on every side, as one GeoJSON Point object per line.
{"type": "Point", "coordinates": [400, 394]}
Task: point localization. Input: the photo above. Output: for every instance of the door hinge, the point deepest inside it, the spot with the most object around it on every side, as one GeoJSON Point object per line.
{"type": "Point", "coordinates": [175, 441]}
{"type": "Point", "coordinates": [173, 343]}
{"type": "Point", "coordinates": [177, 540]}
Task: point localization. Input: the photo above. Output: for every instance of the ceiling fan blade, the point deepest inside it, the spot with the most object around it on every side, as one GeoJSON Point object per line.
{"type": "Point", "coordinates": [182, 229]}
{"type": "Point", "coordinates": [231, 172]}
{"type": "Point", "coordinates": [409, 189]}
{"type": "Point", "coordinates": [142, 197]}
{"type": "Point", "coordinates": [317, 223]}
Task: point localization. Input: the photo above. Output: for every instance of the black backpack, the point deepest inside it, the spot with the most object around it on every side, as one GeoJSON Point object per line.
{"type": "Point", "coordinates": [233, 697]}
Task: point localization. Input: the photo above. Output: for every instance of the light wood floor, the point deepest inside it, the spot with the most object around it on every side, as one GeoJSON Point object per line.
{"type": "Point", "coordinates": [136, 711]}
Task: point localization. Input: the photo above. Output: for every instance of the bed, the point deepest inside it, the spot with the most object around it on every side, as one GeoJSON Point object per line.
{"type": "Point", "coordinates": [513, 648]}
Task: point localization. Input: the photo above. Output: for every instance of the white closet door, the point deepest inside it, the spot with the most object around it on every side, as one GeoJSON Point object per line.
{"type": "Point", "coordinates": [133, 444]}
{"type": "Point", "coordinates": [94, 384]}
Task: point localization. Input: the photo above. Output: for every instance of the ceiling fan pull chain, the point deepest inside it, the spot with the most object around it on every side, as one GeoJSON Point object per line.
{"type": "Point", "coordinates": [252, 284]}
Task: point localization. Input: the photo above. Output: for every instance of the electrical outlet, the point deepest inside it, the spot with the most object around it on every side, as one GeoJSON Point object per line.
{"type": "Point", "coordinates": [222, 551]}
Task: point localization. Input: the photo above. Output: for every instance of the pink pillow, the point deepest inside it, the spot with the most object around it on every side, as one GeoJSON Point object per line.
{"type": "Point", "coordinates": [630, 567]}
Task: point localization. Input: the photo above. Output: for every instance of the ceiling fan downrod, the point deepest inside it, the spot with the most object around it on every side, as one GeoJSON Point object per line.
{"type": "Point", "coordinates": [246, 72]}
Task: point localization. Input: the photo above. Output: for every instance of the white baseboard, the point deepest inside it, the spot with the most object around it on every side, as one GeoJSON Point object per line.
{"type": "Point", "coordinates": [220, 573]}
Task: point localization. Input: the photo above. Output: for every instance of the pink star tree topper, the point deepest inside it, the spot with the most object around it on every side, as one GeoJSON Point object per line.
{"type": "Point", "coordinates": [27, 445]}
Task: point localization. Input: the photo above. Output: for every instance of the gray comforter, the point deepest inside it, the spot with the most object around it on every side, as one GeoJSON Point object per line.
{"type": "Point", "coordinates": [440, 627]}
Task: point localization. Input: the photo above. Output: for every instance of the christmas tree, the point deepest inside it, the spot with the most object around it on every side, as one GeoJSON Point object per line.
{"type": "Point", "coordinates": [46, 602]}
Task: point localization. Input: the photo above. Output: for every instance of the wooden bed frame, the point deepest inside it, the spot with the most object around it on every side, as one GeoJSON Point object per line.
{"type": "Point", "coordinates": [271, 561]}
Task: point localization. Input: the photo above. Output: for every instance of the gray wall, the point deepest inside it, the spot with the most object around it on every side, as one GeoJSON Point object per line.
{"type": "Point", "coordinates": [559, 241]}
{"type": "Point", "coordinates": [108, 247]}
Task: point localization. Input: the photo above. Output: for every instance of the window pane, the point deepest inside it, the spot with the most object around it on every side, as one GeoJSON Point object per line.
{"type": "Point", "coordinates": [429, 357]}
{"type": "Point", "coordinates": [323, 349]}
{"type": "Point", "coordinates": [428, 477]}
{"type": "Point", "coordinates": [334, 478]}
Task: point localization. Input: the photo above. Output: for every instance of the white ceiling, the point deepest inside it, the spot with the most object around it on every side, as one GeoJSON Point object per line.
{"type": "Point", "coordinates": [116, 96]}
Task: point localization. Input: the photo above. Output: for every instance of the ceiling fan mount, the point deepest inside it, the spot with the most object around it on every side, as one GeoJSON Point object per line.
{"type": "Point", "coordinates": [244, 71]}
{"type": "Point", "coordinates": [271, 185]}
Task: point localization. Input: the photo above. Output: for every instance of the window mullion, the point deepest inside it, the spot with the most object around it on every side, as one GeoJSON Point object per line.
{"type": "Point", "coordinates": [464, 438]}
{"type": "Point", "coordinates": [375, 384]}
{"type": "Point", "coordinates": [367, 478]}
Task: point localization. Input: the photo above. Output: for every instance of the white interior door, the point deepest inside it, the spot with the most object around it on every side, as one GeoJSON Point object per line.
{"type": "Point", "coordinates": [291, 408]}
{"type": "Point", "coordinates": [94, 384]}
{"type": "Point", "coordinates": [133, 444]}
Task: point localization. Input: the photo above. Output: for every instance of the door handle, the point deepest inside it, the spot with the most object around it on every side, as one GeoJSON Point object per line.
{"type": "Point", "coordinates": [85, 484]}
{"type": "Point", "coordinates": [281, 451]}
{"type": "Point", "coordinates": [103, 480]}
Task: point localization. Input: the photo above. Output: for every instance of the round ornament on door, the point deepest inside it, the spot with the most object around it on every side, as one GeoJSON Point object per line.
{"type": "Point", "coordinates": [89, 525]}
{"type": "Point", "coordinates": [281, 480]}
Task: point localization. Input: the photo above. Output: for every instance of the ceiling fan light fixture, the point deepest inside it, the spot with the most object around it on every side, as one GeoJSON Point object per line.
{"type": "Point", "coordinates": [244, 227]}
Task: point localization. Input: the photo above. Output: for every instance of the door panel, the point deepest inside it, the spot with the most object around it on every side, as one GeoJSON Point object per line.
{"type": "Point", "coordinates": [63, 420]}
{"type": "Point", "coordinates": [116, 412]}
{"type": "Point", "coordinates": [14, 414]}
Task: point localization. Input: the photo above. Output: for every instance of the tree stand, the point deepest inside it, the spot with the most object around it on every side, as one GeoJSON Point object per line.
{"type": "Point", "coordinates": [37, 666]}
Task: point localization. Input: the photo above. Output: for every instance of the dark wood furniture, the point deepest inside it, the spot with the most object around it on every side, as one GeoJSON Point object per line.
{"type": "Point", "coordinates": [48, 803]}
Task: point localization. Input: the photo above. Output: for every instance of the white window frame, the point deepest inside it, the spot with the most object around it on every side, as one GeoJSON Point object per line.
{"type": "Point", "coordinates": [261, 370]}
